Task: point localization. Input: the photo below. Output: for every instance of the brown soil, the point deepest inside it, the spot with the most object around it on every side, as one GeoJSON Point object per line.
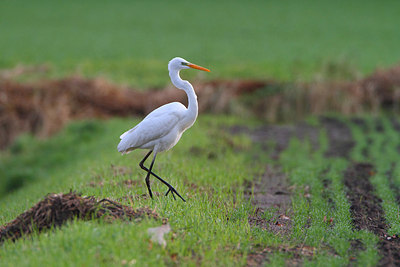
{"type": "Point", "coordinates": [365, 207]}
{"type": "Point", "coordinates": [361, 123]}
{"type": "Point", "coordinates": [340, 139]}
{"type": "Point", "coordinates": [57, 209]}
{"type": "Point", "coordinates": [389, 248]}
{"type": "Point", "coordinates": [367, 211]}
{"type": "Point", "coordinates": [271, 197]}
{"type": "Point", "coordinates": [275, 138]}
{"type": "Point", "coordinates": [271, 193]}
{"type": "Point", "coordinates": [396, 124]}
{"type": "Point", "coordinates": [298, 253]}
{"type": "Point", "coordinates": [379, 125]}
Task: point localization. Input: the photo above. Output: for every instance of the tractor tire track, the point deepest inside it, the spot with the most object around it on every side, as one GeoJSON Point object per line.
{"type": "Point", "coordinates": [270, 194]}
{"type": "Point", "coordinates": [367, 211]}
{"type": "Point", "coordinates": [365, 207]}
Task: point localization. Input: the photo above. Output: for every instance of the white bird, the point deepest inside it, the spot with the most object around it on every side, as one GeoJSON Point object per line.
{"type": "Point", "coordinates": [163, 127]}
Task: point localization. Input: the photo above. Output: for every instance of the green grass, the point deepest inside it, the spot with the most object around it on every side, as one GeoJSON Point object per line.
{"type": "Point", "coordinates": [132, 41]}
{"type": "Point", "coordinates": [383, 153]}
{"type": "Point", "coordinates": [208, 166]}
{"type": "Point", "coordinates": [308, 169]}
{"type": "Point", "coordinates": [211, 228]}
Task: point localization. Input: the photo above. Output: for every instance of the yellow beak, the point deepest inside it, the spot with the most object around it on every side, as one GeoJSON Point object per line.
{"type": "Point", "coordinates": [194, 66]}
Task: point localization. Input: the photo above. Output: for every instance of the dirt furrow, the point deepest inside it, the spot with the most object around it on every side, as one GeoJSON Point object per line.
{"type": "Point", "coordinates": [275, 138]}
{"type": "Point", "coordinates": [271, 192]}
{"type": "Point", "coordinates": [395, 124]}
{"type": "Point", "coordinates": [271, 197]}
{"type": "Point", "coordinates": [367, 211]}
{"type": "Point", "coordinates": [365, 205]}
{"type": "Point", "coordinates": [340, 139]}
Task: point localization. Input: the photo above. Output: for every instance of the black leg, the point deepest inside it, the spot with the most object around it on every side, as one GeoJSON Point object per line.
{"type": "Point", "coordinates": [148, 172]}
{"type": "Point", "coordinates": [170, 188]}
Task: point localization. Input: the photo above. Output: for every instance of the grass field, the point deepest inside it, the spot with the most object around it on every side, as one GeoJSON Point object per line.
{"type": "Point", "coordinates": [131, 41]}
{"type": "Point", "coordinates": [337, 200]}
{"type": "Point", "coordinates": [71, 162]}
{"type": "Point", "coordinates": [212, 228]}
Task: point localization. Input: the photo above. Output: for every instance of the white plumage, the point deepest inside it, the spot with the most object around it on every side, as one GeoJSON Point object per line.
{"type": "Point", "coordinates": [162, 128]}
{"type": "Point", "coordinates": [157, 131]}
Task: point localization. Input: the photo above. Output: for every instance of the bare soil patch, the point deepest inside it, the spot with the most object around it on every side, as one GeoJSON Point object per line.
{"type": "Point", "coordinates": [340, 139]}
{"type": "Point", "coordinates": [361, 123]}
{"type": "Point", "coordinates": [390, 251]}
{"type": "Point", "coordinates": [379, 125]}
{"type": "Point", "coordinates": [270, 193]}
{"type": "Point", "coordinates": [395, 124]}
{"type": "Point", "coordinates": [298, 253]}
{"type": "Point", "coordinates": [57, 209]}
{"type": "Point", "coordinates": [275, 138]}
{"type": "Point", "coordinates": [365, 207]}
{"type": "Point", "coordinates": [368, 213]}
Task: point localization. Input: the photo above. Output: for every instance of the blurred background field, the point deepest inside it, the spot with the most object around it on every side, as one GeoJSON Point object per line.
{"type": "Point", "coordinates": [131, 41]}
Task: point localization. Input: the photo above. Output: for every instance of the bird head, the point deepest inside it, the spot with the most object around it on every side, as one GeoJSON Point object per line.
{"type": "Point", "coordinates": [178, 63]}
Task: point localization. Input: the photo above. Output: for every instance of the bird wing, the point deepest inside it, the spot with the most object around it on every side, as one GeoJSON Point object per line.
{"type": "Point", "coordinates": [170, 108]}
{"type": "Point", "coordinates": [154, 126]}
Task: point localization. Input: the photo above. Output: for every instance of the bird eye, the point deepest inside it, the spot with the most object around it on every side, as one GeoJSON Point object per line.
{"type": "Point", "coordinates": [184, 63]}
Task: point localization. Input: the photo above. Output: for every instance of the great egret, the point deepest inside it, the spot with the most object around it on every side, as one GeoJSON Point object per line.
{"type": "Point", "coordinates": [163, 127]}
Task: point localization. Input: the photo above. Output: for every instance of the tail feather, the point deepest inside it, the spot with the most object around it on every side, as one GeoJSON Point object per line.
{"type": "Point", "coordinates": [127, 132]}
{"type": "Point", "coordinates": [124, 147]}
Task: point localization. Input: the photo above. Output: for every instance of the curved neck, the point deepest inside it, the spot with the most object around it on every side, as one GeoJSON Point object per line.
{"type": "Point", "coordinates": [192, 109]}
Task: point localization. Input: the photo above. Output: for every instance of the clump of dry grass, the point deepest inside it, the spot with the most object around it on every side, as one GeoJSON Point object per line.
{"type": "Point", "coordinates": [57, 209]}
{"type": "Point", "coordinates": [44, 107]}
{"type": "Point", "coordinates": [379, 91]}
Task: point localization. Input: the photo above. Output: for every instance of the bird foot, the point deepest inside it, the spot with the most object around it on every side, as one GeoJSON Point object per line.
{"type": "Point", "coordinates": [172, 190]}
